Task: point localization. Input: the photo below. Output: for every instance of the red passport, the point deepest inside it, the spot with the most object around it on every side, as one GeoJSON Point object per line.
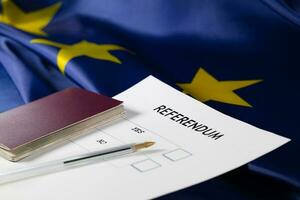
{"type": "Point", "coordinates": [53, 119]}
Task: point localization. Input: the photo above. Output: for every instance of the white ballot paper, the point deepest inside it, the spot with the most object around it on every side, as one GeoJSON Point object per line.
{"type": "Point", "coordinates": [194, 143]}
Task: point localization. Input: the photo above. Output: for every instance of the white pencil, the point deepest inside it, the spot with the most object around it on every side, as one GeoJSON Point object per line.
{"type": "Point", "coordinates": [70, 162]}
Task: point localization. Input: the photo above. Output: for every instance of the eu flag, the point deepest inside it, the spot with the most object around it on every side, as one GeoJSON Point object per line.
{"type": "Point", "coordinates": [239, 57]}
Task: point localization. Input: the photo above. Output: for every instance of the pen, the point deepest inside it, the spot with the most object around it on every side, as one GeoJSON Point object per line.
{"type": "Point", "coordinates": [70, 162]}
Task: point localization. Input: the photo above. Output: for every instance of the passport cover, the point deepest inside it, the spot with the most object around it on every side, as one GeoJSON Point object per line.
{"type": "Point", "coordinates": [42, 117]}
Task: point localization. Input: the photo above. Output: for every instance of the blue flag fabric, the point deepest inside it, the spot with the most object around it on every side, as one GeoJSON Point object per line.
{"type": "Point", "coordinates": [239, 57]}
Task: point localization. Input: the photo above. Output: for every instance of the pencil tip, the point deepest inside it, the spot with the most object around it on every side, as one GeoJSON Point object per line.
{"type": "Point", "coordinates": [148, 144]}
{"type": "Point", "coordinates": [143, 145]}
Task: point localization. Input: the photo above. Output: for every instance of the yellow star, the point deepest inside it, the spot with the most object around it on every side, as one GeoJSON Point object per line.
{"type": "Point", "coordinates": [32, 22]}
{"type": "Point", "coordinates": [83, 48]}
{"type": "Point", "coordinates": [205, 87]}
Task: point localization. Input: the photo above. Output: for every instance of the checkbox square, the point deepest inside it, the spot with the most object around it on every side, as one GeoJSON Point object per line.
{"type": "Point", "coordinates": [177, 154]}
{"type": "Point", "coordinates": [145, 165]}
